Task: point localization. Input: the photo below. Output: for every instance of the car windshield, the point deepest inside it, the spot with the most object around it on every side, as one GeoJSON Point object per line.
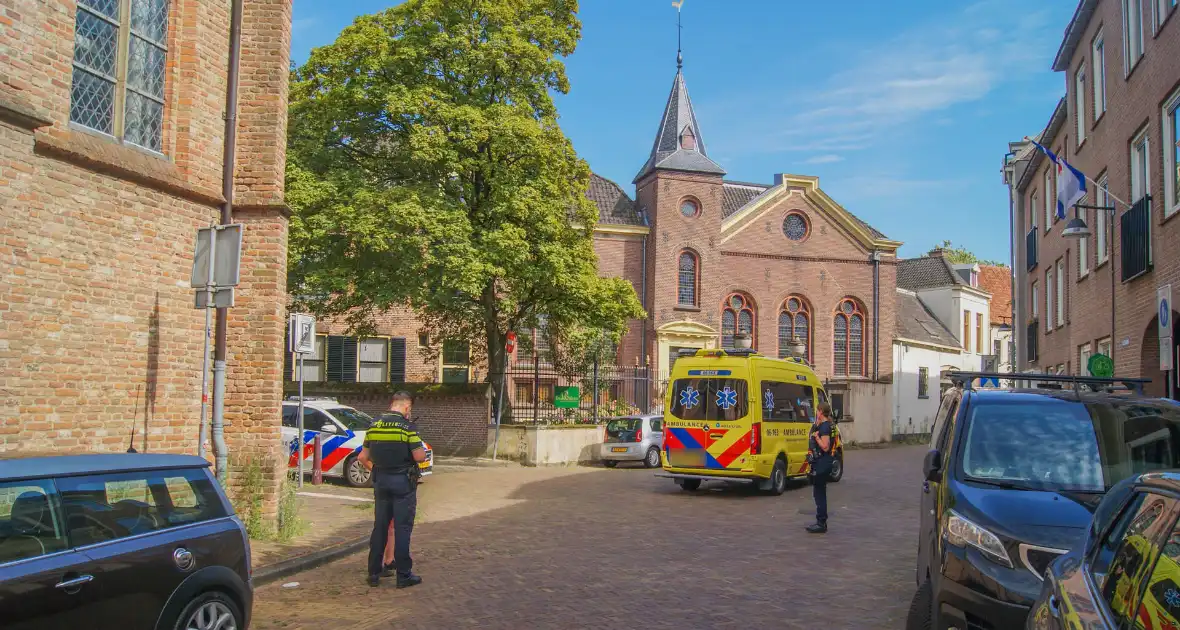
{"type": "Point", "coordinates": [709, 399]}
{"type": "Point", "coordinates": [354, 419]}
{"type": "Point", "coordinates": [622, 427]}
{"type": "Point", "coordinates": [1069, 446]}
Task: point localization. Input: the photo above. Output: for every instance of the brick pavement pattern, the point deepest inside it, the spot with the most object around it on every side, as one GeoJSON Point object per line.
{"type": "Point", "coordinates": [622, 548]}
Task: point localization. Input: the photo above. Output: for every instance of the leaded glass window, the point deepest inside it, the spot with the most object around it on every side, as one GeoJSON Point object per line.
{"type": "Point", "coordinates": [686, 292]}
{"type": "Point", "coordinates": [848, 343]}
{"type": "Point", "coordinates": [737, 316]}
{"type": "Point", "coordinates": [795, 226]}
{"type": "Point", "coordinates": [794, 321]}
{"type": "Point", "coordinates": [127, 38]}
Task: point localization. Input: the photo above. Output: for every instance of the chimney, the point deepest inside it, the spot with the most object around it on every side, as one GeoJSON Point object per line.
{"type": "Point", "coordinates": [937, 252]}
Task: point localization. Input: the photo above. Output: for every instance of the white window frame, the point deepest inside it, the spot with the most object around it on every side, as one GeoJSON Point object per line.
{"type": "Point", "coordinates": [1161, 9]}
{"type": "Point", "coordinates": [1049, 199]}
{"type": "Point", "coordinates": [361, 363]}
{"type": "Point", "coordinates": [1034, 203]}
{"type": "Point", "coordinates": [1049, 298]}
{"type": "Point", "coordinates": [1102, 220]}
{"type": "Point", "coordinates": [1084, 354]}
{"type": "Point", "coordinates": [1084, 254]}
{"type": "Point", "coordinates": [1171, 120]}
{"type": "Point", "coordinates": [1098, 82]}
{"type": "Point", "coordinates": [314, 363]}
{"type": "Point", "coordinates": [1132, 34]}
{"type": "Point", "coordinates": [1060, 286]}
{"type": "Point", "coordinates": [1079, 89]}
{"type": "Point", "coordinates": [1105, 341]}
{"type": "Point", "coordinates": [1036, 299]}
{"type": "Point", "coordinates": [1140, 166]}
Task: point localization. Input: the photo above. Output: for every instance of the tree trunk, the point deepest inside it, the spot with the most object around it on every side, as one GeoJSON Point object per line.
{"type": "Point", "coordinates": [495, 351]}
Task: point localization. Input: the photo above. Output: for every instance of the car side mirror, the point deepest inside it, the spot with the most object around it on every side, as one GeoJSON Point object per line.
{"type": "Point", "coordinates": [328, 428]}
{"type": "Point", "coordinates": [932, 466]}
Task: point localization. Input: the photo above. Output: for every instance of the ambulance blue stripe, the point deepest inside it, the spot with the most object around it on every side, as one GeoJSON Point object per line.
{"type": "Point", "coordinates": [686, 438]}
{"type": "Point", "coordinates": [711, 462]}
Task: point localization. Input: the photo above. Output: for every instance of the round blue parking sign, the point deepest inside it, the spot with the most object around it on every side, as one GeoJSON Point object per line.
{"type": "Point", "coordinates": [1165, 312]}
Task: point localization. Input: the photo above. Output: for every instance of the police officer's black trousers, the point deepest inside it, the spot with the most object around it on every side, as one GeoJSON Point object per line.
{"type": "Point", "coordinates": [819, 488]}
{"type": "Point", "coordinates": [396, 500]}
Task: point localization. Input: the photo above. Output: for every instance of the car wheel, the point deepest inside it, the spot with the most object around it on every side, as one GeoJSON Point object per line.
{"type": "Point", "coordinates": [653, 458]}
{"type": "Point", "coordinates": [921, 609]}
{"type": "Point", "coordinates": [356, 474]}
{"type": "Point", "coordinates": [778, 477]}
{"type": "Point", "coordinates": [689, 485]}
{"type": "Point", "coordinates": [610, 463]}
{"type": "Point", "coordinates": [837, 468]}
{"type": "Point", "coordinates": [212, 610]}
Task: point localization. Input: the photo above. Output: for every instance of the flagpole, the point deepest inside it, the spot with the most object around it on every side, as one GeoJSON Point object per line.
{"type": "Point", "coordinates": [1088, 178]}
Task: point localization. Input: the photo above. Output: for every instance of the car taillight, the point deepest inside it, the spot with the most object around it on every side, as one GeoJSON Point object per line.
{"type": "Point", "coordinates": [756, 438]}
{"type": "Point", "coordinates": [638, 435]}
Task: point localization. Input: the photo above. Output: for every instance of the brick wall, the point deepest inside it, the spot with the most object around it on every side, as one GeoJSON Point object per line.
{"type": "Point", "coordinates": [98, 336]}
{"type": "Point", "coordinates": [1134, 103]}
{"type": "Point", "coordinates": [453, 423]}
{"type": "Point", "coordinates": [621, 256]}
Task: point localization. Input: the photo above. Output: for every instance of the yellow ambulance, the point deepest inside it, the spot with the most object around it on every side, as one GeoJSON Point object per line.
{"type": "Point", "coordinates": [737, 416]}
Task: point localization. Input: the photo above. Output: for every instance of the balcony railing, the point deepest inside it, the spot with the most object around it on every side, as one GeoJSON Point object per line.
{"type": "Point", "coordinates": [1135, 239]}
{"type": "Point", "coordinates": [1030, 247]}
{"type": "Point", "coordinates": [1032, 335]}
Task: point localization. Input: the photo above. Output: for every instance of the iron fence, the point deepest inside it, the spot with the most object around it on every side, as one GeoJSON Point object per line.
{"type": "Point", "coordinates": [535, 392]}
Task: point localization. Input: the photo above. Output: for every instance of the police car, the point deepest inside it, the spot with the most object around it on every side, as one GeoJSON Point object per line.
{"type": "Point", "coordinates": [342, 433]}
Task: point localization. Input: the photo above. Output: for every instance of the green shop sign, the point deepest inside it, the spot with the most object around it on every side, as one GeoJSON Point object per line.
{"type": "Point", "coordinates": [1101, 366]}
{"type": "Point", "coordinates": [566, 397]}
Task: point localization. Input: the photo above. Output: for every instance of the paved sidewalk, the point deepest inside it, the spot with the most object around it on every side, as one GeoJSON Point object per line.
{"type": "Point", "coordinates": [340, 518]}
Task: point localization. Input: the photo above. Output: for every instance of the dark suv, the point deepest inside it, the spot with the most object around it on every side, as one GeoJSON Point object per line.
{"type": "Point", "coordinates": [1011, 483]}
{"type": "Point", "coordinates": [120, 541]}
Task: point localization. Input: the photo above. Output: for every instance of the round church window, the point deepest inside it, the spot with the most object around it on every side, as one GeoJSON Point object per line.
{"type": "Point", "coordinates": [795, 227]}
{"type": "Point", "coordinates": [689, 208]}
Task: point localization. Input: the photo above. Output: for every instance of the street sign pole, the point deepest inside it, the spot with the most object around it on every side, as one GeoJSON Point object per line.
{"type": "Point", "coordinates": [203, 434]}
{"type": "Point", "coordinates": [300, 458]}
{"type": "Point", "coordinates": [301, 341]}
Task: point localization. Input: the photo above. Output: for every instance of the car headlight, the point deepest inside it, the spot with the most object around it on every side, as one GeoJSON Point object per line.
{"type": "Point", "coordinates": [961, 532]}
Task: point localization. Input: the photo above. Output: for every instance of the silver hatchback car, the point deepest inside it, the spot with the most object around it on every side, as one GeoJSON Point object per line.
{"type": "Point", "coordinates": [633, 439]}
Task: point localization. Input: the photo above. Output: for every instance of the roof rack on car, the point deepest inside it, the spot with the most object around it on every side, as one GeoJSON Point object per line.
{"type": "Point", "coordinates": [1095, 383]}
{"type": "Point", "coordinates": [716, 352]}
{"type": "Point", "coordinates": [312, 399]}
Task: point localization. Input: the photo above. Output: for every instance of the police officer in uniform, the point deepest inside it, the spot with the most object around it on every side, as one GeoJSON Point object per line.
{"type": "Point", "coordinates": [820, 455]}
{"type": "Point", "coordinates": [392, 451]}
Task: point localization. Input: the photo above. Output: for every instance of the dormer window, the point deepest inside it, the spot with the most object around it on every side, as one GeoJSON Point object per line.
{"type": "Point", "coordinates": [975, 278]}
{"type": "Point", "coordinates": [688, 140]}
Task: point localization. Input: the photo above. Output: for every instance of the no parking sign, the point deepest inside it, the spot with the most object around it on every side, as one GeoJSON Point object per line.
{"type": "Point", "coordinates": [1164, 308]}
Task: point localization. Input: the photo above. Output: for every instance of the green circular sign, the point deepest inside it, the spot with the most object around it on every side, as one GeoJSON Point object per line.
{"type": "Point", "coordinates": [1101, 366]}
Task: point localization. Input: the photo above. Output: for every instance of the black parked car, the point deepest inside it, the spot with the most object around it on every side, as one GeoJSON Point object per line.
{"type": "Point", "coordinates": [1126, 573]}
{"type": "Point", "coordinates": [1012, 481]}
{"type": "Point", "coordinates": [120, 541]}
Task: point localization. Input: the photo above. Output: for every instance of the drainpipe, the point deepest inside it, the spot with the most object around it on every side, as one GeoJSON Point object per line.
{"type": "Point", "coordinates": [876, 258]}
{"type": "Point", "coordinates": [220, 450]}
{"type": "Point", "coordinates": [643, 329]}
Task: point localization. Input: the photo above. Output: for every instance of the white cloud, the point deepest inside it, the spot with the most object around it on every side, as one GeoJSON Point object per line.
{"type": "Point", "coordinates": [824, 159]}
{"type": "Point", "coordinates": [955, 59]}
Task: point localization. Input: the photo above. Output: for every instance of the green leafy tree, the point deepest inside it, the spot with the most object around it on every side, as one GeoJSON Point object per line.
{"type": "Point", "coordinates": [426, 168]}
{"type": "Point", "coordinates": [961, 256]}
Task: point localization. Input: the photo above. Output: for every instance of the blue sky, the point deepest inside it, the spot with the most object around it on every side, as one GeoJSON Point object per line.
{"type": "Point", "coordinates": [903, 112]}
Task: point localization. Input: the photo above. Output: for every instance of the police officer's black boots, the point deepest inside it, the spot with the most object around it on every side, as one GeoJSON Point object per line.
{"type": "Point", "coordinates": [407, 582]}
{"type": "Point", "coordinates": [817, 528]}
{"type": "Point", "coordinates": [374, 580]}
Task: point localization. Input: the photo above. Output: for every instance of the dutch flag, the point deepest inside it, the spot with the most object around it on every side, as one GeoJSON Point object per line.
{"type": "Point", "coordinates": [1071, 183]}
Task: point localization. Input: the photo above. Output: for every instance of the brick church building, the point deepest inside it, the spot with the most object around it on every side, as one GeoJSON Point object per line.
{"type": "Point", "coordinates": [709, 257]}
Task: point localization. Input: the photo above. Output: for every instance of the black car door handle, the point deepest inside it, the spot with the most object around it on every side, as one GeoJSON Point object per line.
{"type": "Point", "coordinates": [926, 487]}
{"type": "Point", "coordinates": [74, 583]}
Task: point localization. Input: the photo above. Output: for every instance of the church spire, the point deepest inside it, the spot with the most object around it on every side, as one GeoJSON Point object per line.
{"type": "Point", "coordinates": [679, 145]}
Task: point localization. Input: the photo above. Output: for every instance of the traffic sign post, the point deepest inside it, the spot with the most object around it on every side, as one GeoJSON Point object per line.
{"type": "Point", "coordinates": [1164, 317]}
{"type": "Point", "coordinates": [301, 341]}
{"type": "Point", "coordinates": [217, 257]}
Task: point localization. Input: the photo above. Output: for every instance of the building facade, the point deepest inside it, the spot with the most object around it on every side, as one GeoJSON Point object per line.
{"type": "Point", "coordinates": [112, 121]}
{"type": "Point", "coordinates": [1118, 124]}
{"type": "Point", "coordinates": [711, 258]}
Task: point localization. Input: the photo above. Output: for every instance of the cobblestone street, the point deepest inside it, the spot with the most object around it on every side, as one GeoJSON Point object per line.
{"type": "Point", "coordinates": [622, 548]}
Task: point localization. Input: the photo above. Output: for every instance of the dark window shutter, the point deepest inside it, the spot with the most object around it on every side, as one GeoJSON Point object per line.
{"type": "Point", "coordinates": [335, 358]}
{"type": "Point", "coordinates": [397, 360]}
{"type": "Point", "coordinates": [288, 367]}
{"type": "Point", "coordinates": [348, 352]}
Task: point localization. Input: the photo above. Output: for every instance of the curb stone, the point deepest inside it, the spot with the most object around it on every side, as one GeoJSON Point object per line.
{"type": "Point", "coordinates": [284, 568]}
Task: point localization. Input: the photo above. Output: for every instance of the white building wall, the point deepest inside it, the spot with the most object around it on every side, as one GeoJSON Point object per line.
{"type": "Point", "coordinates": [912, 414]}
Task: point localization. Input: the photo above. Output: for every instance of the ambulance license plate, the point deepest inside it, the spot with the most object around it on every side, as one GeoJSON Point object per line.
{"type": "Point", "coordinates": [619, 449]}
{"type": "Point", "coordinates": [688, 458]}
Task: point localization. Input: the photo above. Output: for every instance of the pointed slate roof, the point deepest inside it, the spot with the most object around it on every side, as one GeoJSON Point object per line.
{"type": "Point", "coordinates": [668, 152]}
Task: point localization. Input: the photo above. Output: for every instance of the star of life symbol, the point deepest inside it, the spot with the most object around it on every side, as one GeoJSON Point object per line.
{"type": "Point", "coordinates": [1172, 598]}
{"type": "Point", "coordinates": [690, 397]}
{"type": "Point", "coordinates": [726, 398]}
{"type": "Point", "coordinates": [768, 399]}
